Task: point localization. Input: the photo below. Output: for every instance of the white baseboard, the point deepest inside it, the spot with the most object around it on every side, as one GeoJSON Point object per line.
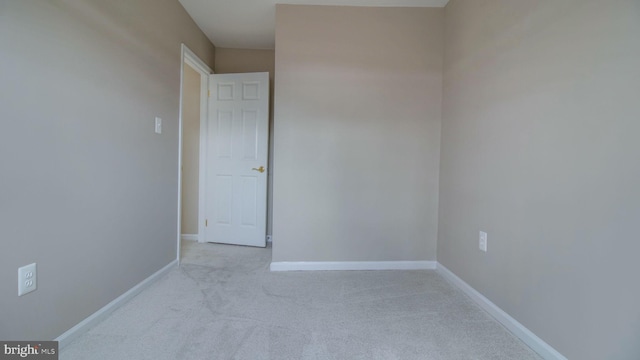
{"type": "Point", "coordinates": [534, 342]}
{"type": "Point", "coordinates": [189, 237]}
{"type": "Point", "coordinates": [352, 265]}
{"type": "Point", "coordinates": [93, 319]}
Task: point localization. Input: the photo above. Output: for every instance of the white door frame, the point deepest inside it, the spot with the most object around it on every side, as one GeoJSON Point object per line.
{"type": "Point", "coordinates": [189, 58]}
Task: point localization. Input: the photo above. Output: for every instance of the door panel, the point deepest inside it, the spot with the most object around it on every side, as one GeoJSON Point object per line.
{"type": "Point", "coordinates": [249, 192]}
{"type": "Point", "coordinates": [237, 143]}
{"type": "Point", "coordinates": [223, 202]}
{"type": "Point", "coordinates": [250, 134]}
{"type": "Point", "coordinates": [224, 135]}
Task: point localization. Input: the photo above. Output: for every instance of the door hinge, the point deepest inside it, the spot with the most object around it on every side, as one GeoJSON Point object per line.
{"type": "Point", "coordinates": [209, 93]}
{"type": "Point", "coordinates": [206, 222]}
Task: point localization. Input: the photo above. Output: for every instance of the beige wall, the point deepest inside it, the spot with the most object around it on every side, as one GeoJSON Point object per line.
{"type": "Point", "coordinates": [229, 61]}
{"type": "Point", "coordinates": [540, 149]}
{"type": "Point", "coordinates": [190, 149]}
{"type": "Point", "coordinates": [357, 131]}
{"type": "Point", "coordinates": [88, 190]}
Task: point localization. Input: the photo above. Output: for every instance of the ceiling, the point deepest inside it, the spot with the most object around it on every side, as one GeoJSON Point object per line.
{"type": "Point", "coordinates": [250, 24]}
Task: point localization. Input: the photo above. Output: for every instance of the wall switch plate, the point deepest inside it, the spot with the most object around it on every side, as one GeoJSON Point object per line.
{"type": "Point", "coordinates": [483, 241]}
{"type": "Point", "coordinates": [27, 279]}
{"type": "Point", "coordinates": [158, 125]}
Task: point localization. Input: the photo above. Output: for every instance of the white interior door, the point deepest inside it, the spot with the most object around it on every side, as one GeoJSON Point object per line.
{"type": "Point", "coordinates": [236, 169]}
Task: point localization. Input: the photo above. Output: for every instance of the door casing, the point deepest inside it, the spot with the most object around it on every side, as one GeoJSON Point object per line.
{"type": "Point", "coordinates": [189, 58]}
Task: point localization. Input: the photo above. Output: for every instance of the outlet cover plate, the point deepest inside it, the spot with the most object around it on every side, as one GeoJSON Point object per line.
{"type": "Point", "coordinates": [27, 279]}
{"type": "Point", "coordinates": [158, 124]}
{"type": "Point", "coordinates": [483, 241]}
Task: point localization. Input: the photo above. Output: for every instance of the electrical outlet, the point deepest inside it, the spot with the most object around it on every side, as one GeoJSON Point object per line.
{"type": "Point", "coordinates": [483, 241]}
{"type": "Point", "coordinates": [158, 125]}
{"type": "Point", "coordinates": [27, 279]}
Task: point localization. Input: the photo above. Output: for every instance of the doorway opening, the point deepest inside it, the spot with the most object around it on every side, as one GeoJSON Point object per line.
{"type": "Point", "coordinates": [194, 85]}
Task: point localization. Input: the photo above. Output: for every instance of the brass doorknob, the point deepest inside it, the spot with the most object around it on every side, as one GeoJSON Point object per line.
{"type": "Point", "coordinates": [260, 169]}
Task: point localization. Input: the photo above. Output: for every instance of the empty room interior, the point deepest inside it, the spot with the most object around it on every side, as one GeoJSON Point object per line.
{"type": "Point", "coordinates": [437, 179]}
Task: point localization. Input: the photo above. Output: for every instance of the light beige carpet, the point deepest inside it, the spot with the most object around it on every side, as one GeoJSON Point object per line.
{"type": "Point", "coordinates": [223, 303]}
